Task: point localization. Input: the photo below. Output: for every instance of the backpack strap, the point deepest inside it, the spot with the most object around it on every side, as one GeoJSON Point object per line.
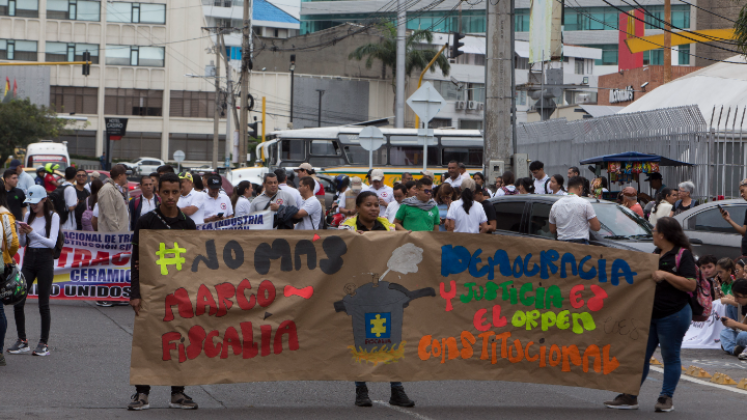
{"type": "Point", "coordinates": [546, 182]}
{"type": "Point", "coordinates": [678, 259]}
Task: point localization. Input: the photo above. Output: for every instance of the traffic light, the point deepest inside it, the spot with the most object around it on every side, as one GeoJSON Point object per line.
{"type": "Point", "coordinates": [455, 44]}
{"type": "Point", "coordinates": [86, 67]}
{"type": "Point", "coordinates": [253, 131]}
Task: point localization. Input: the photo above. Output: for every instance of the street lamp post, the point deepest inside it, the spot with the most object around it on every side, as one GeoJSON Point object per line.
{"type": "Point", "coordinates": [292, 70]}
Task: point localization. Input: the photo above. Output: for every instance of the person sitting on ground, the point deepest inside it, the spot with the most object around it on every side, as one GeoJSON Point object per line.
{"type": "Point", "coordinates": [741, 268]}
{"type": "Point", "coordinates": [663, 207]}
{"type": "Point", "coordinates": [734, 336]}
{"type": "Point", "coordinates": [571, 217]}
{"type": "Point", "coordinates": [685, 201]}
{"type": "Point", "coordinates": [508, 187]}
{"type": "Point", "coordinates": [463, 215]}
{"type": "Point", "coordinates": [419, 213]}
{"type": "Point", "coordinates": [707, 266]}
{"type": "Point", "coordinates": [725, 268]}
{"type": "Point", "coordinates": [630, 200]}
{"type": "Point", "coordinates": [556, 185]}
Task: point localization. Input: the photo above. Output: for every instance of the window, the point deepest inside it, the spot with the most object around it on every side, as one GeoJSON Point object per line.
{"type": "Point", "coordinates": [653, 57]}
{"type": "Point", "coordinates": [711, 220]}
{"type": "Point", "coordinates": [74, 10]}
{"type": "Point", "coordinates": [19, 8]}
{"type": "Point", "coordinates": [476, 92]}
{"type": "Point", "coordinates": [17, 50]}
{"type": "Point", "coordinates": [609, 54]}
{"type": "Point", "coordinates": [405, 151]}
{"type": "Point", "coordinates": [521, 20]}
{"type": "Point", "coordinates": [123, 55]}
{"type": "Point", "coordinates": [136, 12]}
{"type": "Point", "coordinates": [521, 97]}
{"type": "Point", "coordinates": [325, 153]}
{"type": "Point", "coordinates": [589, 66]}
{"type": "Point", "coordinates": [470, 156]}
{"type": "Point", "coordinates": [439, 123]}
{"type": "Point", "coordinates": [469, 125]}
{"type": "Point", "coordinates": [683, 55]}
{"type": "Point", "coordinates": [508, 215]}
{"type": "Point", "coordinates": [680, 16]}
{"type": "Point", "coordinates": [448, 90]}
{"type": "Point", "coordinates": [60, 51]}
{"type": "Point", "coordinates": [191, 104]}
{"type": "Point", "coordinates": [293, 150]}
{"type": "Point", "coordinates": [144, 102]}
{"type": "Point", "coordinates": [80, 142]}
{"type": "Point", "coordinates": [592, 19]}
{"type": "Point", "coordinates": [539, 221]}
{"type": "Point", "coordinates": [359, 156]}
{"type": "Point", "coordinates": [579, 65]}
{"type": "Point", "coordinates": [68, 99]}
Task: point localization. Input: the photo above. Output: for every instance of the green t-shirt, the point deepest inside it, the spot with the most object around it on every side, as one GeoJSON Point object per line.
{"type": "Point", "coordinates": [417, 219]}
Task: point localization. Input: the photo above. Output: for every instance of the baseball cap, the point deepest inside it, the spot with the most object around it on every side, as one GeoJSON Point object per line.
{"type": "Point", "coordinates": [653, 176]}
{"type": "Point", "coordinates": [629, 192]}
{"type": "Point", "coordinates": [15, 163]}
{"type": "Point", "coordinates": [377, 175]}
{"type": "Point", "coordinates": [214, 183]}
{"type": "Point", "coordinates": [305, 167]}
{"type": "Point", "coordinates": [186, 175]}
{"type": "Point", "coordinates": [96, 174]}
{"type": "Point", "coordinates": [428, 174]}
{"type": "Point", "coordinates": [35, 194]}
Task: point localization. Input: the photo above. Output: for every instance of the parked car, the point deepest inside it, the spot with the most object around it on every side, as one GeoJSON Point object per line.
{"type": "Point", "coordinates": [528, 215]}
{"type": "Point", "coordinates": [144, 165]}
{"type": "Point", "coordinates": [708, 231]}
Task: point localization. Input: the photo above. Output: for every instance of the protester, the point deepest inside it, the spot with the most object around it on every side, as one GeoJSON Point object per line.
{"type": "Point", "coordinates": [406, 177]}
{"type": "Point", "coordinates": [411, 189]}
{"type": "Point", "coordinates": [241, 200]}
{"type": "Point", "coordinates": [445, 195]}
{"type": "Point", "coordinates": [81, 181]}
{"type": "Point", "coordinates": [66, 192]}
{"type": "Point", "coordinates": [734, 336]}
{"type": "Point", "coordinates": [283, 185]}
{"type": "Point", "coordinates": [741, 229]}
{"type": "Point", "coordinates": [306, 170]}
{"type": "Point", "coordinates": [428, 174]}
{"type": "Point", "coordinates": [482, 198]}
{"type": "Point", "coordinates": [198, 183]}
{"type": "Point", "coordinates": [671, 315]}
{"type": "Point", "coordinates": [342, 184]}
{"type": "Point", "coordinates": [525, 186]}
{"type": "Point", "coordinates": [50, 182]}
{"type": "Point", "coordinates": [598, 187]}
{"type": "Point", "coordinates": [385, 193]}
{"type": "Point", "coordinates": [147, 201]}
{"type": "Point", "coordinates": [685, 201]}
{"type": "Point", "coordinates": [740, 264]}
{"type": "Point", "coordinates": [166, 216]}
{"type": "Point", "coordinates": [571, 217]}
{"type": "Point", "coordinates": [154, 176]}
{"type": "Point", "coordinates": [25, 181]}
{"type": "Point", "coordinates": [191, 202]}
{"type": "Point", "coordinates": [556, 185]}
{"type": "Point", "coordinates": [311, 210]}
{"type": "Point", "coordinates": [15, 197]}
{"type": "Point", "coordinates": [88, 221]}
{"type": "Point", "coordinates": [94, 175]}
{"type": "Point", "coordinates": [38, 233]}
{"type": "Point", "coordinates": [663, 205]}
{"type": "Point", "coordinates": [463, 215]}
{"type": "Point", "coordinates": [499, 183]}
{"type": "Point", "coordinates": [272, 197]}
{"type": "Point", "coordinates": [587, 187]}
{"type": "Point", "coordinates": [400, 193]}
{"type": "Point", "coordinates": [419, 213]}
{"type": "Point", "coordinates": [40, 173]}
{"type": "Point", "coordinates": [707, 266]}
{"type": "Point", "coordinates": [573, 171]}
{"type": "Point", "coordinates": [463, 170]}
{"type": "Point", "coordinates": [164, 169]}
{"type": "Point", "coordinates": [541, 180]}
{"type": "Point", "coordinates": [9, 240]}
{"type": "Point", "coordinates": [655, 181]}
{"type": "Point", "coordinates": [726, 269]}
{"type": "Point", "coordinates": [508, 187]}
{"type": "Point", "coordinates": [479, 179]}
{"type": "Point", "coordinates": [630, 200]}
{"type": "Point", "coordinates": [112, 215]}
{"type": "Point", "coordinates": [455, 178]}
{"type": "Point", "coordinates": [217, 206]}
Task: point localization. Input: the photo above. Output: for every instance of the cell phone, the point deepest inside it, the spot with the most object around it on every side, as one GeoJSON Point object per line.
{"type": "Point", "coordinates": [721, 209]}
{"type": "Point", "coordinates": [220, 214]}
{"type": "Point", "coordinates": [22, 224]}
{"type": "Point", "coordinates": [723, 320]}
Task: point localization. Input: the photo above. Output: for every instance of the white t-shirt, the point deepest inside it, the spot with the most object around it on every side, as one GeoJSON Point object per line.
{"type": "Point", "coordinates": [243, 207]}
{"type": "Point", "coordinates": [340, 201]}
{"type": "Point", "coordinates": [314, 216]}
{"type": "Point", "coordinates": [386, 193]}
{"type": "Point", "coordinates": [391, 211]}
{"type": "Point", "coordinates": [71, 200]}
{"type": "Point", "coordinates": [194, 198]}
{"type": "Point", "coordinates": [294, 192]}
{"type": "Point", "coordinates": [456, 183]}
{"type": "Point", "coordinates": [539, 185]}
{"type": "Point", "coordinates": [38, 237]}
{"type": "Point", "coordinates": [560, 192]}
{"type": "Point", "coordinates": [500, 192]}
{"type": "Point", "coordinates": [571, 215]}
{"type": "Point", "coordinates": [96, 210]}
{"type": "Point", "coordinates": [212, 206]}
{"type": "Point", "coordinates": [466, 222]}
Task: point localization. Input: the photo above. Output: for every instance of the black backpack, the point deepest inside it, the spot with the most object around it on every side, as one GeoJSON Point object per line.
{"type": "Point", "coordinates": [58, 201]}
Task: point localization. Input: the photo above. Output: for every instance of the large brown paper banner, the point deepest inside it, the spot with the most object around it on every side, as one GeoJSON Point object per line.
{"type": "Point", "coordinates": [243, 306]}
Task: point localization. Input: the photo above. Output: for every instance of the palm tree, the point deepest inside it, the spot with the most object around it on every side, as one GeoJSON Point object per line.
{"type": "Point", "coordinates": [415, 59]}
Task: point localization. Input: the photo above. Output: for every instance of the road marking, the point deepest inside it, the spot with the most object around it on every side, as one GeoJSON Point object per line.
{"type": "Point", "coordinates": [402, 410]}
{"type": "Point", "coordinates": [701, 382]}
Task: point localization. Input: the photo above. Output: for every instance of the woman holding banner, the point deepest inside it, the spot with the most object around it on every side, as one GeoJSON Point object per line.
{"type": "Point", "coordinates": [672, 314]}
{"type": "Point", "coordinates": [366, 220]}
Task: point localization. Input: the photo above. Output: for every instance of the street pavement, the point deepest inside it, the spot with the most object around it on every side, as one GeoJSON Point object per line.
{"type": "Point", "coordinates": [87, 377]}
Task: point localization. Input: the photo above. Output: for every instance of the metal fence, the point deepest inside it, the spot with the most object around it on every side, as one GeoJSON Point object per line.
{"type": "Point", "coordinates": [681, 133]}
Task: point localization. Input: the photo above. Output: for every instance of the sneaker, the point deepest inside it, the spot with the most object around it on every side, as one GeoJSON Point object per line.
{"type": "Point", "coordinates": [664, 404]}
{"type": "Point", "coordinates": [623, 402]}
{"type": "Point", "coordinates": [41, 350]}
{"type": "Point", "coordinates": [361, 397]}
{"type": "Point", "coordinates": [399, 397]}
{"type": "Point", "coordinates": [21, 346]}
{"type": "Point", "coordinates": [104, 304]}
{"type": "Point", "coordinates": [2, 360]}
{"type": "Point", "coordinates": [743, 355]}
{"type": "Point", "coordinates": [738, 350]}
{"type": "Point", "coordinates": [182, 401]}
{"type": "Point", "coordinates": [139, 402]}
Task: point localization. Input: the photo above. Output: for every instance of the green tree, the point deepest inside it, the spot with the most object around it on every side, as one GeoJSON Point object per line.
{"type": "Point", "coordinates": [740, 29]}
{"type": "Point", "coordinates": [416, 57]}
{"type": "Point", "coordinates": [22, 122]}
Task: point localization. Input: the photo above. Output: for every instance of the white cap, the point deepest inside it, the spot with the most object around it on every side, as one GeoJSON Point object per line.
{"type": "Point", "coordinates": [377, 175]}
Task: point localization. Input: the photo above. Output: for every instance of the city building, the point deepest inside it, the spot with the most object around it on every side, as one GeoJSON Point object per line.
{"type": "Point", "coordinates": [626, 87]}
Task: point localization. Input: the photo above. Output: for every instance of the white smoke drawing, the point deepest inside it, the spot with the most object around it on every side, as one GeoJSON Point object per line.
{"type": "Point", "coordinates": [404, 260]}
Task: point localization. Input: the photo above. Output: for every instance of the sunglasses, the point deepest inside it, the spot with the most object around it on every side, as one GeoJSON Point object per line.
{"type": "Point", "coordinates": [428, 191]}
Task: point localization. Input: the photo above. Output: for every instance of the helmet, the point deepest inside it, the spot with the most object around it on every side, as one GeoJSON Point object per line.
{"type": "Point", "coordinates": [341, 181]}
{"type": "Point", "coordinates": [51, 167]}
{"type": "Point", "coordinates": [12, 285]}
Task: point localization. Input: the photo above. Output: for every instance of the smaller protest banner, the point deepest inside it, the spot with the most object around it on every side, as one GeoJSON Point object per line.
{"type": "Point", "coordinates": [261, 220]}
{"type": "Point", "coordinates": [706, 334]}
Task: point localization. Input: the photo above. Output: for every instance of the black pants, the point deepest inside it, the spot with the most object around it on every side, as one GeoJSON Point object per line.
{"type": "Point", "coordinates": [145, 389]}
{"type": "Point", "coordinates": [38, 264]}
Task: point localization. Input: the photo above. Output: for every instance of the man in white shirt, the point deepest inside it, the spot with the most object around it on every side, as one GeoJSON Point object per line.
{"type": "Point", "coordinates": [400, 193]}
{"type": "Point", "coordinates": [455, 178]}
{"type": "Point", "coordinates": [541, 180]}
{"type": "Point", "coordinates": [71, 198]}
{"type": "Point", "coordinates": [572, 216]}
{"type": "Point", "coordinates": [217, 206]}
{"type": "Point", "coordinates": [283, 185]}
{"type": "Point", "coordinates": [191, 202]}
{"type": "Point", "coordinates": [311, 209]}
{"type": "Point", "coordinates": [25, 181]}
{"type": "Point", "coordinates": [385, 193]}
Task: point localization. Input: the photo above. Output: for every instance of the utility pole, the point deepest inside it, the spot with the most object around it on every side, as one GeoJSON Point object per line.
{"type": "Point", "coordinates": [246, 63]}
{"type": "Point", "coordinates": [399, 111]}
{"type": "Point", "coordinates": [667, 41]}
{"type": "Point", "coordinates": [216, 117]}
{"type": "Point", "coordinates": [499, 95]}
{"type": "Point", "coordinates": [319, 116]}
{"type": "Point", "coordinates": [230, 106]}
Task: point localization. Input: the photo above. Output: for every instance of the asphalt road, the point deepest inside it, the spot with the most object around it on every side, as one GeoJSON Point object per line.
{"type": "Point", "coordinates": [87, 377]}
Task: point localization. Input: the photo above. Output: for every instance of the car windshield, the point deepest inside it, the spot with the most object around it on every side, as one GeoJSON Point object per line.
{"type": "Point", "coordinates": [620, 222]}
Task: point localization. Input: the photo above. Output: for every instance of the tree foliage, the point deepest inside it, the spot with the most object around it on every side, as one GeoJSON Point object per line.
{"type": "Point", "coordinates": [22, 122]}
{"type": "Point", "coordinates": [740, 29]}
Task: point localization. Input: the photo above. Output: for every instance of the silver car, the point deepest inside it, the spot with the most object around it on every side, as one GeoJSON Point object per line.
{"type": "Point", "coordinates": [708, 231]}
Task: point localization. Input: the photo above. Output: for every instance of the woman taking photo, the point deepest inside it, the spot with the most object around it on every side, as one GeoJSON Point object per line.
{"type": "Point", "coordinates": [464, 216]}
{"type": "Point", "coordinates": [38, 233]}
{"type": "Point", "coordinates": [672, 314]}
{"type": "Point", "coordinates": [556, 185]}
{"type": "Point", "coordinates": [9, 240]}
{"type": "Point", "coordinates": [241, 199]}
{"type": "Point", "coordinates": [367, 220]}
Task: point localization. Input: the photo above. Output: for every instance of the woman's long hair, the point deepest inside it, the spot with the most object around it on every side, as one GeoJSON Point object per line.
{"type": "Point", "coordinates": [96, 185]}
{"type": "Point", "coordinates": [527, 184]}
{"type": "Point", "coordinates": [468, 187]}
{"type": "Point", "coordinates": [48, 212]}
{"type": "Point", "coordinates": [239, 191]}
{"type": "Point", "coordinates": [3, 194]}
{"type": "Point", "coordinates": [673, 233]}
{"type": "Point", "coordinates": [662, 196]}
{"type": "Point", "coordinates": [560, 180]}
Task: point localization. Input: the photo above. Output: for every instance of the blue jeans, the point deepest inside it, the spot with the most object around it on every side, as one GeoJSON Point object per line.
{"type": "Point", "coordinates": [576, 241]}
{"type": "Point", "coordinates": [393, 384]}
{"type": "Point", "coordinates": [669, 332]}
{"type": "Point", "coordinates": [3, 327]}
{"type": "Point", "coordinates": [732, 338]}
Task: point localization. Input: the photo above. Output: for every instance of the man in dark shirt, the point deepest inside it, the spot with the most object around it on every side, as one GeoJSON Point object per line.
{"type": "Point", "coordinates": [14, 196]}
{"type": "Point", "coordinates": [481, 198]}
{"type": "Point", "coordinates": [166, 216]}
{"type": "Point", "coordinates": [81, 179]}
